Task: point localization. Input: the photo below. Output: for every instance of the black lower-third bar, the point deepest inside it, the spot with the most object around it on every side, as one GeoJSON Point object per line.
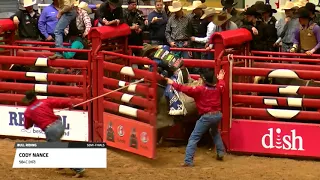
{"type": "Point", "coordinates": [87, 145]}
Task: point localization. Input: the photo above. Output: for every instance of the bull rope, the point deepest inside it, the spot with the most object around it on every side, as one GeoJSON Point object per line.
{"type": "Point", "coordinates": [230, 59]}
{"type": "Point", "coordinates": [102, 95]}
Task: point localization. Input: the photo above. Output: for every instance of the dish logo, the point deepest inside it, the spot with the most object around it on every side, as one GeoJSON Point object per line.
{"type": "Point", "coordinates": [274, 139]}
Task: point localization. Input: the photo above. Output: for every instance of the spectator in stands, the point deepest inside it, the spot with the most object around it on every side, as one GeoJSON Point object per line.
{"type": "Point", "coordinates": [48, 20]}
{"type": "Point", "coordinates": [258, 6]}
{"type": "Point", "coordinates": [286, 27]}
{"type": "Point", "coordinates": [134, 18]}
{"type": "Point", "coordinates": [157, 24]}
{"type": "Point", "coordinates": [307, 36]}
{"type": "Point", "coordinates": [179, 28]}
{"type": "Point", "coordinates": [222, 23]}
{"type": "Point", "coordinates": [314, 14]}
{"type": "Point", "coordinates": [81, 25]}
{"type": "Point", "coordinates": [270, 22]}
{"type": "Point", "coordinates": [66, 14]}
{"type": "Point", "coordinates": [167, 3]}
{"type": "Point", "coordinates": [109, 13]}
{"type": "Point", "coordinates": [27, 21]}
{"type": "Point", "coordinates": [258, 28]}
{"type": "Point", "coordinates": [206, 29]}
{"type": "Point", "coordinates": [228, 6]}
{"type": "Point", "coordinates": [197, 8]}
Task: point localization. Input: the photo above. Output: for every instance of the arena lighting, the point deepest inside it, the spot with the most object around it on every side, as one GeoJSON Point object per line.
{"type": "Point", "coordinates": [60, 155]}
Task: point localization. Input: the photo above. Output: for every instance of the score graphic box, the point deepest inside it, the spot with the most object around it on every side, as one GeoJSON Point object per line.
{"type": "Point", "coordinates": [60, 155]}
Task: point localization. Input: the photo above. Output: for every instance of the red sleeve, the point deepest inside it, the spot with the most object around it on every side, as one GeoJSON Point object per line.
{"type": "Point", "coordinates": [57, 103]}
{"type": "Point", "coordinates": [188, 90]}
{"type": "Point", "coordinates": [221, 85]}
{"type": "Point", "coordinates": [27, 121]}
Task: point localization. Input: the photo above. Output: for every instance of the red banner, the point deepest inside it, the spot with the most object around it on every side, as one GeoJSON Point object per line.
{"type": "Point", "coordinates": [276, 138]}
{"type": "Point", "coordinates": [129, 135]}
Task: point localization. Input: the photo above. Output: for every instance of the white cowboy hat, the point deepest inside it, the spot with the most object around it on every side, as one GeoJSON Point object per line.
{"type": "Point", "coordinates": [27, 3]}
{"type": "Point", "coordinates": [176, 6]}
{"type": "Point", "coordinates": [76, 3]}
{"type": "Point", "coordinates": [84, 6]}
{"type": "Point", "coordinates": [167, 1]}
{"type": "Point", "coordinates": [301, 3]}
{"type": "Point", "coordinates": [196, 5]}
{"type": "Point", "coordinates": [288, 5]}
{"type": "Point", "coordinates": [208, 12]}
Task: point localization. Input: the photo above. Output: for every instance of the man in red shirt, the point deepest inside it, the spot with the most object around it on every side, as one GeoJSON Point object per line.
{"type": "Point", "coordinates": [40, 113]}
{"type": "Point", "coordinates": [208, 101]}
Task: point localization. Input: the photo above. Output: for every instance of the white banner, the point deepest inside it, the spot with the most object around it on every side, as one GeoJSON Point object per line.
{"type": "Point", "coordinates": [60, 158]}
{"type": "Point", "coordinates": [12, 124]}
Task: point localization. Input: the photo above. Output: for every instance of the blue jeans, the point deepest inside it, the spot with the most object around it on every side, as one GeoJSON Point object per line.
{"type": "Point", "coordinates": [54, 133]}
{"type": "Point", "coordinates": [205, 122]}
{"type": "Point", "coordinates": [63, 22]}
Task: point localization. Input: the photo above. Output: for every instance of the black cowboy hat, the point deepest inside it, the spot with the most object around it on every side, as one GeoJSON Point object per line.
{"type": "Point", "coordinates": [311, 7]}
{"type": "Point", "coordinates": [267, 8]}
{"type": "Point", "coordinates": [209, 78]}
{"type": "Point", "coordinates": [259, 5]}
{"type": "Point", "coordinates": [228, 3]}
{"type": "Point", "coordinates": [29, 97]}
{"type": "Point", "coordinates": [303, 12]}
{"type": "Point", "coordinates": [117, 3]}
{"type": "Point", "coordinates": [252, 11]}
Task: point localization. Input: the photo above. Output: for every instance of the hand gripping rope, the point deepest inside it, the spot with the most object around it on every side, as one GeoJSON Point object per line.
{"type": "Point", "coordinates": [230, 59]}
{"type": "Point", "coordinates": [102, 95]}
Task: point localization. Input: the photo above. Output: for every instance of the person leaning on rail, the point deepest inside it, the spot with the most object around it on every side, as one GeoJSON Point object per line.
{"type": "Point", "coordinates": [40, 113]}
{"type": "Point", "coordinates": [27, 22]}
{"type": "Point", "coordinates": [110, 13]}
{"type": "Point", "coordinates": [307, 36]}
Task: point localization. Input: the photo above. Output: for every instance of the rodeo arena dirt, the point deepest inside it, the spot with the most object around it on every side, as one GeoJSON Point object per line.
{"type": "Point", "coordinates": [270, 130]}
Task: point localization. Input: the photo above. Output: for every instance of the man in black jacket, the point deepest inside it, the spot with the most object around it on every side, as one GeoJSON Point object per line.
{"type": "Point", "coordinates": [109, 13]}
{"type": "Point", "coordinates": [134, 18]}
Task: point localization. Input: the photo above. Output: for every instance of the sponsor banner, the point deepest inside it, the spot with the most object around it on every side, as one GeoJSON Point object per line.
{"type": "Point", "coordinates": [129, 135]}
{"type": "Point", "coordinates": [12, 124]}
{"type": "Point", "coordinates": [279, 138]}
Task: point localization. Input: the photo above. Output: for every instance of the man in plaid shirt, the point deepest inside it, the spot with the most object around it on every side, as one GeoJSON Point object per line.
{"type": "Point", "coordinates": [81, 25]}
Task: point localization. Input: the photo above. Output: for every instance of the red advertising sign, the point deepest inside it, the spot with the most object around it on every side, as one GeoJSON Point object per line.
{"type": "Point", "coordinates": [129, 135]}
{"type": "Point", "coordinates": [278, 138]}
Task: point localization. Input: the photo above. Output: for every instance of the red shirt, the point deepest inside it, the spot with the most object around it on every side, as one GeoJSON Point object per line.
{"type": "Point", "coordinates": [40, 112]}
{"type": "Point", "coordinates": [207, 99]}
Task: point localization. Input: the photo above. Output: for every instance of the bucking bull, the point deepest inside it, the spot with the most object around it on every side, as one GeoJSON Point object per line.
{"type": "Point", "coordinates": [173, 106]}
{"type": "Point", "coordinates": [286, 82]}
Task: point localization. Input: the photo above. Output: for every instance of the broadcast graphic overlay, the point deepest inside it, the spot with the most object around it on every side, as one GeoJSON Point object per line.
{"type": "Point", "coordinates": [60, 155]}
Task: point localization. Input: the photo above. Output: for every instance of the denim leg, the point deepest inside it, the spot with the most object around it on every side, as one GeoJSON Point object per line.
{"type": "Point", "coordinates": [55, 132]}
{"type": "Point", "coordinates": [217, 140]}
{"type": "Point", "coordinates": [63, 22]}
{"type": "Point", "coordinates": [200, 128]}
